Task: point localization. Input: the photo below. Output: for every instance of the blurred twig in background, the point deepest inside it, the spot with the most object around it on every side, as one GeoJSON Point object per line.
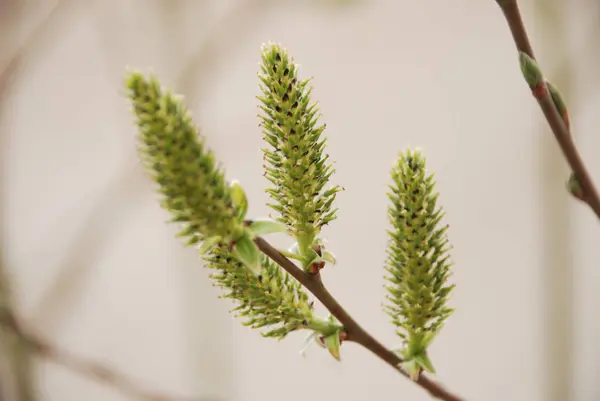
{"type": "Point", "coordinates": [18, 382]}
{"type": "Point", "coordinates": [121, 194]}
{"type": "Point", "coordinates": [79, 365]}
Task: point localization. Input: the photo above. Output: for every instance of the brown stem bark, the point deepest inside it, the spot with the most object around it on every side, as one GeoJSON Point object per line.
{"type": "Point", "coordinates": [354, 332]}
{"type": "Point", "coordinates": [563, 136]}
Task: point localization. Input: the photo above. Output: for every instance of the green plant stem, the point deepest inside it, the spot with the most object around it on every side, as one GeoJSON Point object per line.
{"type": "Point", "coordinates": [590, 195]}
{"type": "Point", "coordinates": [354, 332]}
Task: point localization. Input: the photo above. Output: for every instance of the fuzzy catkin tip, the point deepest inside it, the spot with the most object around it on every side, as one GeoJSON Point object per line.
{"type": "Point", "coordinates": [196, 193]}
{"type": "Point", "coordinates": [295, 162]}
{"type": "Point", "coordinates": [193, 187]}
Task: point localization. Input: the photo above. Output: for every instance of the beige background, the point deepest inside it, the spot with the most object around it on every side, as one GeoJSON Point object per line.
{"type": "Point", "coordinates": [96, 269]}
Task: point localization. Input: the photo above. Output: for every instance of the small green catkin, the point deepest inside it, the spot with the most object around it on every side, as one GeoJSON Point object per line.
{"type": "Point", "coordinates": [295, 163]}
{"type": "Point", "coordinates": [418, 263]}
{"type": "Point", "coordinates": [194, 188]}
{"type": "Point", "coordinates": [195, 192]}
{"type": "Point", "coordinates": [272, 300]}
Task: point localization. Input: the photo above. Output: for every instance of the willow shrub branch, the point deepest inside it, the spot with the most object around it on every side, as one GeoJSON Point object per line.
{"type": "Point", "coordinates": [268, 285]}
{"type": "Point", "coordinates": [353, 332]}
{"type": "Point", "coordinates": [580, 183]}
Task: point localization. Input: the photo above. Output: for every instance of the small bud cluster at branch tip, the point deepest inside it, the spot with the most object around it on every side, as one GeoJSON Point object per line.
{"type": "Point", "coordinates": [418, 263]}
{"type": "Point", "coordinates": [295, 163]}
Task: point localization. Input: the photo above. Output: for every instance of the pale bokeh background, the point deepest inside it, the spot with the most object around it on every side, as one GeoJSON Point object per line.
{"type": "Point", "coordinates": [95, 268]}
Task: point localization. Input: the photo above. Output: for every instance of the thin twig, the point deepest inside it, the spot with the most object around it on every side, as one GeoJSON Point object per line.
{"type": "Point", "coordinates": [354, 332]}
{"type": "Point", "coordinates": [77, 364]}
{"type": "Point", "coordinates": [590, 195]}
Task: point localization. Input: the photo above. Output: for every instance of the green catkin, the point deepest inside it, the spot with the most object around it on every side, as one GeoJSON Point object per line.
{"type": "Point", "coordinates": [193, 187]}
{"type": "Point", "coordinates": [418, 263]}
{"type": "Point", "coordinates": [195, 192]}
{"type": "Point", "coordinates": [295, 162]}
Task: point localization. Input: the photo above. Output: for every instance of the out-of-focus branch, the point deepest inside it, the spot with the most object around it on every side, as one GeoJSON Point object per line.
{"type": "Point", "coordinates": [77, 364]}
{"type": "Point", "coordinates": [41, 33]}
{"type": "Point", "coordinates": [19, 378]}
{"type": "Point", "coordinates": [115, 201]}
{"type": "Point", "coordinates": [198, 63]}
{"type": "Point", "coordinates": [19, 357]}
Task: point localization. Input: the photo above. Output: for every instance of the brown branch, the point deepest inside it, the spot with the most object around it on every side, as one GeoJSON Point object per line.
{"type": "Point", "coordinates": [354, 332]}
{"type": "Point", "coordinates": [590, 195]}
{"type": "Point", "coordinates": [77, 364]}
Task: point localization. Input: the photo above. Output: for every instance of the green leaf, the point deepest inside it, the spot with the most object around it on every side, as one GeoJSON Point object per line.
{"type": "Point", "coordinates": [246, 250]}
{"type": "Point", "coordinates": [332, 343]}
{"type": "Point", "coordinates": [266, 226]}
{"type": "Point", "coordinates": [412, 368]}
{"type": "Point", "coordinates": [329, 257]}
{"type": "Point", "coordinates": [291, 255]}
{"type": "Point", "coordinates": [424, 362]}
{"type": "Point", "coordinates": [240, 201]}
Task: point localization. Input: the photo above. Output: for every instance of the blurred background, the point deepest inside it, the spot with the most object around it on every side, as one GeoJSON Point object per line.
{"type": "Point", "coordinates": [93, 267]}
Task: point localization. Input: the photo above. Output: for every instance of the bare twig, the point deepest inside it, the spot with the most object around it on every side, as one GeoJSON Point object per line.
{"type": "Point", "coordinates": [77, 364]}
{"type": "Point", "coordinates": [224, 32]}
{"type": "Point", "coordinates": [354, 332]}
{"type": "Point", "coordinates": [116, 200]}
{"type": "Point", "coordinates": [511, 11]}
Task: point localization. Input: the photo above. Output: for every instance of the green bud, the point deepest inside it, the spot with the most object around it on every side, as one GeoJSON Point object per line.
{"type": "Point", "coordinates": [247, 252]}
{"type": "Point", "coordinates": [240, 201]}
{"type": "Point", "coordinates": [531, 70]}
{"type": "Point", "coordinates": [559, 102]}
{"type": "Point", "coordinates": [266, 226]}
{"type": "Point", "coordinates": [574, 187]}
